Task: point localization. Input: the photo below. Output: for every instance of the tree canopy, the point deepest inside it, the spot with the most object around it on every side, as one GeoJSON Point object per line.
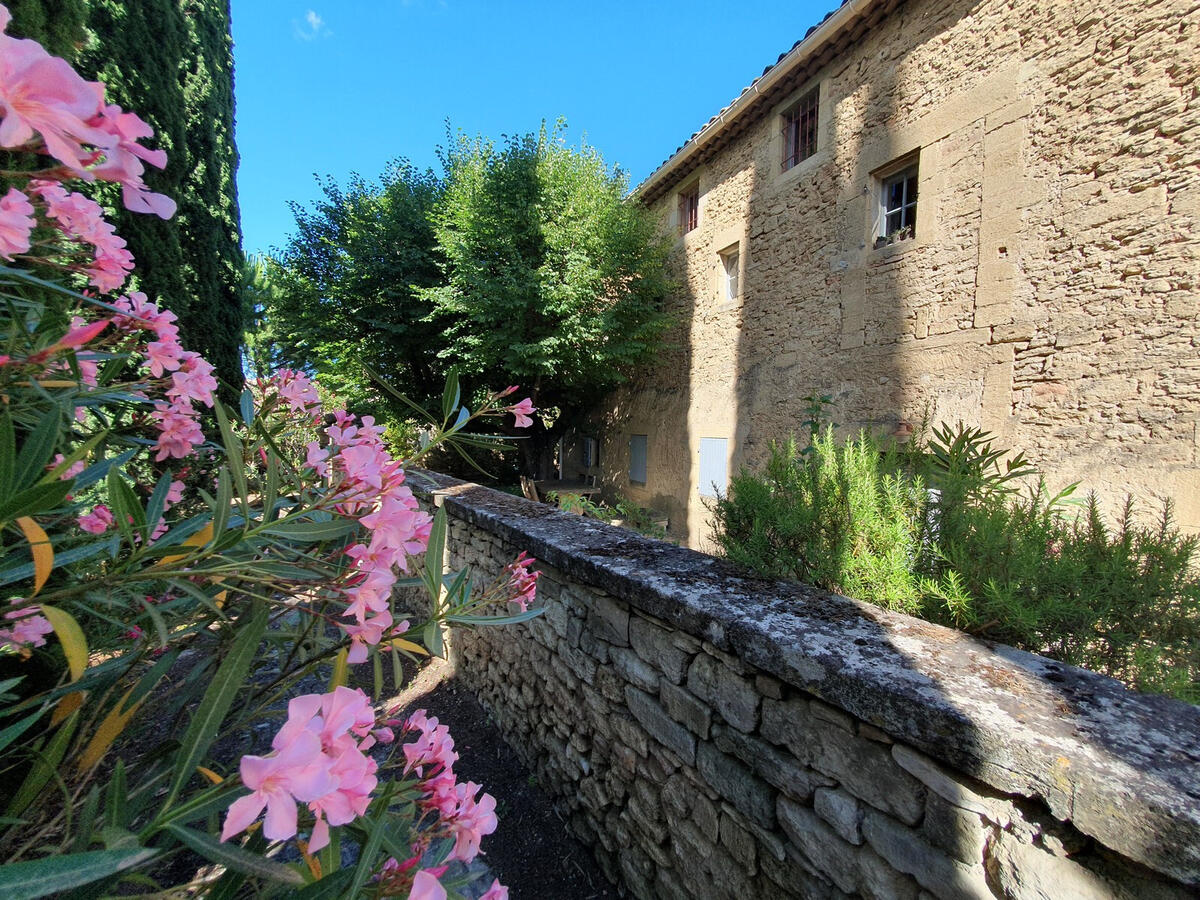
{"type": "Point", "coordinates": [522, 263]}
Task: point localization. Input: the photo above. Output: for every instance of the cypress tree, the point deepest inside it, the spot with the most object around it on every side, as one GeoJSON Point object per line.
{"type": "Point", "coordinates": [171, 62]}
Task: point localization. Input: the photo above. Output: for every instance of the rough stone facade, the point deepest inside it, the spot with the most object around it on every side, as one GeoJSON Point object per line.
{"type": "Point", "coordinates": [713, 736]}
{"type": "Point", "coordinates": [1051, 290]}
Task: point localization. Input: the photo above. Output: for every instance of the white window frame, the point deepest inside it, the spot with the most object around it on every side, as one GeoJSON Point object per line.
{"type": "Point", "coordinates": [906, 174]}
{"type": "Point", "coordinates": [731, 281]}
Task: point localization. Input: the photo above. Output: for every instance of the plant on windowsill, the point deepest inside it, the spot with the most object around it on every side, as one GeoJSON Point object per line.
{"type": "Point", "coordinates": [895, 237]}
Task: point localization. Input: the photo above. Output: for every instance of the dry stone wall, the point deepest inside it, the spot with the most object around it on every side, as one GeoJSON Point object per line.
{"type": "Point", "coordinates": [717, 736]}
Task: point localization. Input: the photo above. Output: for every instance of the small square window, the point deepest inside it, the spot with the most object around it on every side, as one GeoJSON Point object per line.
{"type": "Point", "coordinates": [799, 124]}
{"type": "Point", "coordinates": [898, 205]}
{"type": "Point", "coordinates": [689, 208]}
{"type": "Point", "coordinates": [637, 458]}
{"type": "Point", "coordinates": [730, 260]}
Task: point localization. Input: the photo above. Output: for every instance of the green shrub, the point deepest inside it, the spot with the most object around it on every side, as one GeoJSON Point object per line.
{"type": "Point", "coordinates": [943, 531]}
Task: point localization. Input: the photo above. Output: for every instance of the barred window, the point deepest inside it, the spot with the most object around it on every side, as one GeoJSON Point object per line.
{"type": "Point", "coordinates": [689, 208]}
{"type": "Point", "coordinates": [800, 130]}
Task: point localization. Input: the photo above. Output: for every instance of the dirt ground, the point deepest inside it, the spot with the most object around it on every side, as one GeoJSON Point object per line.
{"type": "Point", "coordinates": [531, 851]}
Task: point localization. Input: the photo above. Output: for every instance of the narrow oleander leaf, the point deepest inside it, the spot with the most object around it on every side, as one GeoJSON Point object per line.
{"type": "Point", "coordinates": [234, 857]}
{"type": "Point", "coordinates": [38, 499]}
{"type": "Point", "coordinates": [217, 699]}
{"type": "Point", "coordinates": [450, 396]}
{"type": "Point", "coordinates": [38, 448]}
{"type": "Point", "coordinates": [246, 406]}
{"type": "Point", "coordinates": [55, 874]}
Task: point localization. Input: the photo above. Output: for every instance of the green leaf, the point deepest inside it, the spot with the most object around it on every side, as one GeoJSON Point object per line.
{"type": "Point", "coordinates": [34, 500]}
{"type": "Point", "coordinates": [450, 395]}
{"type": "Point", "coordinates": [98, 470]}
{"type": "Point", "coordinates": [156, 620]}
{"type": "Point", "coordinates": [246, 406]}
{"type": "Point", "coordinates": [12, 732]}
{"type": "Point", "coordinates": [116, 798]}
{"type": "Point", "coordinates": [223, 505]}
{"type": "Point", "coordinates": [8, 455]}
{"type": "Point", "coordinates": [514, 619]}
{"type": "Point", "coordinates": [156, 505]}
{"type": "Point", "coordinates": [217, 699]}
{"type": "Point", "coordinates": [75, 554]}
{"type": "Point", "coordinates": [74, 456]}
{"type": "Point", "coordinates": [434, 554]}
{"type": "Point", "coordinates": [38, 448]}
{"type": "Point", "coordinates": [125, 507]}
{"type": "Point", "coordinates": [45, 764]}
{"type": "Point", "coordinates": [234, 454]}
{"type": "Point", "coordinates": [366, 859]}
{"type": "Point", "coordinates": [54, 874]}
{"type": "Point", "coordinates": [234, 857]}
{"type": "Point", "coordinates": [331, 887]}
{"type": "Point", "coordinates": [312, 531]}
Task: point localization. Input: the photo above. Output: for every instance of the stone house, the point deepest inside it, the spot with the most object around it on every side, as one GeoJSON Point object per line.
{"type": "Point", "coordinates": [984, 211]}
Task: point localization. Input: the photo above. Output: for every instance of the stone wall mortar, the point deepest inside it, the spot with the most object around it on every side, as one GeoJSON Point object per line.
{"type": "Point", "coordinates": [717, 736]}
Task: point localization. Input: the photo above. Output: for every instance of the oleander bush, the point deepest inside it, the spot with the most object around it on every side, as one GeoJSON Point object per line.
{"type": "Point", "coordinates": [960, 532]}
{"type": "Point", "coordinates": [190, 588]}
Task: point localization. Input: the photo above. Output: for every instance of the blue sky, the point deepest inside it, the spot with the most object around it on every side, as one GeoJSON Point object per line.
{"type": "Point", "coordinates": [334, 88]}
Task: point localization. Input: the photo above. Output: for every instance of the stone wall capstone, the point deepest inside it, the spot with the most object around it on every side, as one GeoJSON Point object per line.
{"type": "Point", "coordinates": [713, 735]}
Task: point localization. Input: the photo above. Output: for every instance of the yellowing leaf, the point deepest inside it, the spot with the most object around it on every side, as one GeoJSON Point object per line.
{"type": "Point", "coordinates": [114, 723]}
{"type": "Point", "coordinates": [66, 706]}
{"type": "Point", "coordinates": [43, 553]}
{"type": "Point", "coordinates": [199, 539]}
{"type": "Point", "coordinates": [71, 635]}
{"type": "Point", "coordinates": [402, 644]}
{"type": "Point", "coordinates": [210, 775]}
{"type": "Point", "coordinates": [338, 678]}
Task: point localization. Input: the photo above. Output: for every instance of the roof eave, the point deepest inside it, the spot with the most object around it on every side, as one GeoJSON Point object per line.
{"type": "Point", "coordinates": [814, 42]}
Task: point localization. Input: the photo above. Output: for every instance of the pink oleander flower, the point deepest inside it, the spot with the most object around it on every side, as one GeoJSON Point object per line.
{"type": "Point", "coordinates": [522, 582]}
{"type": "Point", "coordinates": [496, 892]}
{"type": "Point", "coordinates": [296, 390]}
{"type": "Point", "coordinates": [179, 432]}
{"type": "Point", "coordinates": [316, 458]}
{"type": "Point", "coordinates": [163, 356]}
{"type": "Point", "coordinates": [335, 729]}
{"type": "Point", "coordinates": [42, 94]}
{"type": "Point", "coordinates": [299, 772]}
{"type": "Point", "coordinates": [433, 749]}
{"type": "Point", "coordinates": [471, 821]}
{"type": "Point", "coordinates": [97, 521]}
{"type": "Point", "coordinates": [174, 493]}
{"type": "Point", "coordinates": [30, 628]}
{"type": "Point", "coordinates": [521, 412]}
{"type": "Point", "coordinates": [71, 471]}
{"type": "Point", "coordinates": [79, 335]}
{"type": "Point", "coordinates": [16, 223]}
{"type": "Point", "coordinates": [123, 157]}
{"type": "Point", "coordinates": [425, 886]}
{"type": "Point", "coordinates": [193, 381]}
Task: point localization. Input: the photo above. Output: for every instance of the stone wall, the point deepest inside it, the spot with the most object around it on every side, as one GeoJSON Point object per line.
{"type": "Point", "coordinates": [1051, 291]}
{"type": "Point", "coordinates": [712, 735]}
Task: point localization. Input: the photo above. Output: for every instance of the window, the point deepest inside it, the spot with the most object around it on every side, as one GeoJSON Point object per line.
{"type": "Point", "coordinates": [591, 452]}
{"type": "Point", "coordinates": [730, 260]}
{"type": "Point", "coordinates": [637, 458]}
{"type": "Point", "coordinates": [713, 470]}
{"type": "Point", "coordinates": [800, 130]}
{"type": "Point", "coordinates": [689, 208]}
{"type": "Point", "coordinates": [898, 205]}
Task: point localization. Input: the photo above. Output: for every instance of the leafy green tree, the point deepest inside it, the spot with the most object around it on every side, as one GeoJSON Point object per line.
{"type": "Point", "coordinates": [553, 279]}
{"type": "Point", "coordinates": [347, 290]}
